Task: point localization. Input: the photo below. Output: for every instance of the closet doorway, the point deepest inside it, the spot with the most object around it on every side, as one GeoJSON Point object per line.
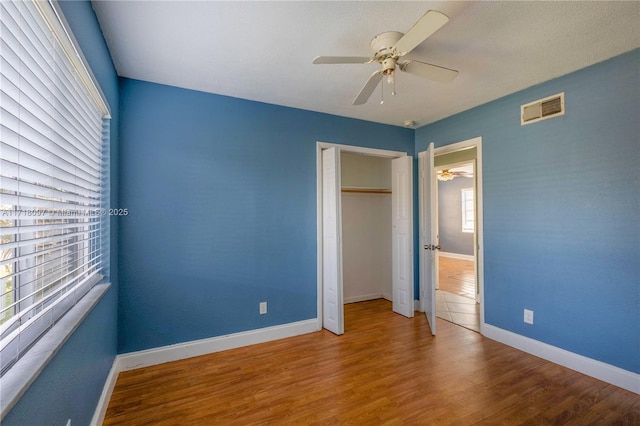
{"type": "Point", "coordinates": [366, 227]}
{"type": "Point", "coordinates": [330, 232]}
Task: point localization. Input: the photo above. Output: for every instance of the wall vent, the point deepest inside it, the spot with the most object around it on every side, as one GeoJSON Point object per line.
{"type": "Point", "coordinates": [550, 107]}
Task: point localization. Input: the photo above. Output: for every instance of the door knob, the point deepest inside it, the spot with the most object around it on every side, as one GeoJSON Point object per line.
{"type": "Point", "coordinates": [431, 247]}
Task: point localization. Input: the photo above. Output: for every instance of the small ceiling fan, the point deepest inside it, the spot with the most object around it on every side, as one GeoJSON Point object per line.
{"type": "Point", "coordinates": [448, 174]}
{"type": "Point", "coordinates": [389, 47]}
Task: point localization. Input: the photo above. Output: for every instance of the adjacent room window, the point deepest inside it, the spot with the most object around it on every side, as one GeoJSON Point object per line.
{"type": "Point", "coordinates": [468, 210]}
{"type": "Point", "coordinates": [53, 175]}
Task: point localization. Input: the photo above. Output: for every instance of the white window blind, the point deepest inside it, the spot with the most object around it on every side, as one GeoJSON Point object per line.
{"type": "Point", "coordinates": [468, 210]}
{"type": "Point", "coordinates": [53, 175]}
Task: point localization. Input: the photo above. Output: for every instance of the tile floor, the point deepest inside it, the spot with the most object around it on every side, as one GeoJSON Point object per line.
{"type": "Point", "coordinates": [458, 310]}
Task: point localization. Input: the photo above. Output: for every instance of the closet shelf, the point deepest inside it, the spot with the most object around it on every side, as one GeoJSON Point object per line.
{"type": "Point", "coordinates": [367, 190]}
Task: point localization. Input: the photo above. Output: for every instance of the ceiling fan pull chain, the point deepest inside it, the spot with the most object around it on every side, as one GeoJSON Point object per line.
{"type": "Point", "coordinates": [382, 94]}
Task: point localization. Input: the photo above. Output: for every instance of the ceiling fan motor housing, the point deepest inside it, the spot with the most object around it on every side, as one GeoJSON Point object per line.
{"type": "Point", "coordinates": [382, 45]}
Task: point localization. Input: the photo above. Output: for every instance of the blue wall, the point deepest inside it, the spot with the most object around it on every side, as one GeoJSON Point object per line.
{"type": "Point", "coordinates": [70, 385]}
{"type": "Point", "coordinates": [452, 239]}
{"type": "Point", "coordinates": [561, 203]}
{"type": "Point", "coordinates": [222, 200]}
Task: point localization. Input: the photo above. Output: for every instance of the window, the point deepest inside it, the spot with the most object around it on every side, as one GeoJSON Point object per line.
{"type": "Point", "coordinates": [54, 124]}
{"type": "Point", "coordinates": [468, 210]}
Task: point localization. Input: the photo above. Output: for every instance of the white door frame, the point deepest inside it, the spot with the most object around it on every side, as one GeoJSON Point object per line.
{"type": "Point", "coordinates": [343, 148]}
{"type": "Point", "coordinates": [479, 247]}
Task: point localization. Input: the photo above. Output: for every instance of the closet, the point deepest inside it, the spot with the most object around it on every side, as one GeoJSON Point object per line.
{"type": "Point", "coordinates": [366, 227]}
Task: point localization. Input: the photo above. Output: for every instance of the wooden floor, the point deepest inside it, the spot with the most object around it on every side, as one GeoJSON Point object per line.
{"type": "Point", "coordinates": [385, 370]}
{"type": "Point", "coordinates": [457, 276]}
{"type": "Point", "coordinates": [456, 295]}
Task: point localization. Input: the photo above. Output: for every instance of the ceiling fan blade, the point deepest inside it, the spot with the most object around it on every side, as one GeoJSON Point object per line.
{"type": "Point", "coordinates": [368, 88]}
{"type": "Point", "coordinates": [341, 60]}
{"type": "Point", "coordinates": [432, 72]}
{"type": "Point", "coordinates": [430, 22]}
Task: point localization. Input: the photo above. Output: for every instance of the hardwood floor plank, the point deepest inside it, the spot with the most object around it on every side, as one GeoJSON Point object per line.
{"type": "Point", "coordinates": [457, 276]}
{"type": "Point", "coordinates": [385, 370]}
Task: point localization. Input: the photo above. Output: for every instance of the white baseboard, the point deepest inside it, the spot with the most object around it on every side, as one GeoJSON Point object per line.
{"type": "Point", "coordinates": [457, 256]}
{"type": "Point", "coordinates": [146, 358]}
{"type": "Point", "coordinates": [105, 396]}
{"type": "Point", "coordinates": [591, 367]}
{"type": "Point", "coordinates": [363, 298]}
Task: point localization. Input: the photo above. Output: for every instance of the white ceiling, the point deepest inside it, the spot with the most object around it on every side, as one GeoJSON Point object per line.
{"type": "Point", "coordinates": [263, 50]}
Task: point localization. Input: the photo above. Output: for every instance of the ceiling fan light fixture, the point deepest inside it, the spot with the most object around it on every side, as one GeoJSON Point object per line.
{"type": "Point", "coordinates": [388, 69]}
{"type": "Point", "coordinates": [445, 175]}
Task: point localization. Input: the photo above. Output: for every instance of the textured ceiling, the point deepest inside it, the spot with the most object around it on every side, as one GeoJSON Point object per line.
{"type": "Point", "coordinates": [263, 50]}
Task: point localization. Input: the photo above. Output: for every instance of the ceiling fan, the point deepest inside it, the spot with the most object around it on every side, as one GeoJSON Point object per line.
{"type": "Point", "coordinates": [449, 174]}
{"type": "Point", "coordinates": [389, 47]}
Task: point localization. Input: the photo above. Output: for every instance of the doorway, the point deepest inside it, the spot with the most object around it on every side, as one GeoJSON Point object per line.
{"type": "Point", "coordinates": [459, 155]}
{"type": "Point", "coordinates": [456, 284]}
{"type": "Point", "coordinates": [329, 238]}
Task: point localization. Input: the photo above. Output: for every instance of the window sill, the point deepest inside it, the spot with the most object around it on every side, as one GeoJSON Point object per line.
{"type": "Point", "coordinates": [20, 376]}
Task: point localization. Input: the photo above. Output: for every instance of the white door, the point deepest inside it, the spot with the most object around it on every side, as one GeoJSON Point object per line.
{"type": "Point", "coordinates": [402, 234]}
{"type": "Point", "coordinates": [332, 306]}
{"type": "Point", "coordinates": [427, 192]}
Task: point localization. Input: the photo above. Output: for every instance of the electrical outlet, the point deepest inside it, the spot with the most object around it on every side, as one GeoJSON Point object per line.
{"type": "Point", "coordinates": [528, 316]}
{"type": "Point", "coordinates": [263, 308]}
